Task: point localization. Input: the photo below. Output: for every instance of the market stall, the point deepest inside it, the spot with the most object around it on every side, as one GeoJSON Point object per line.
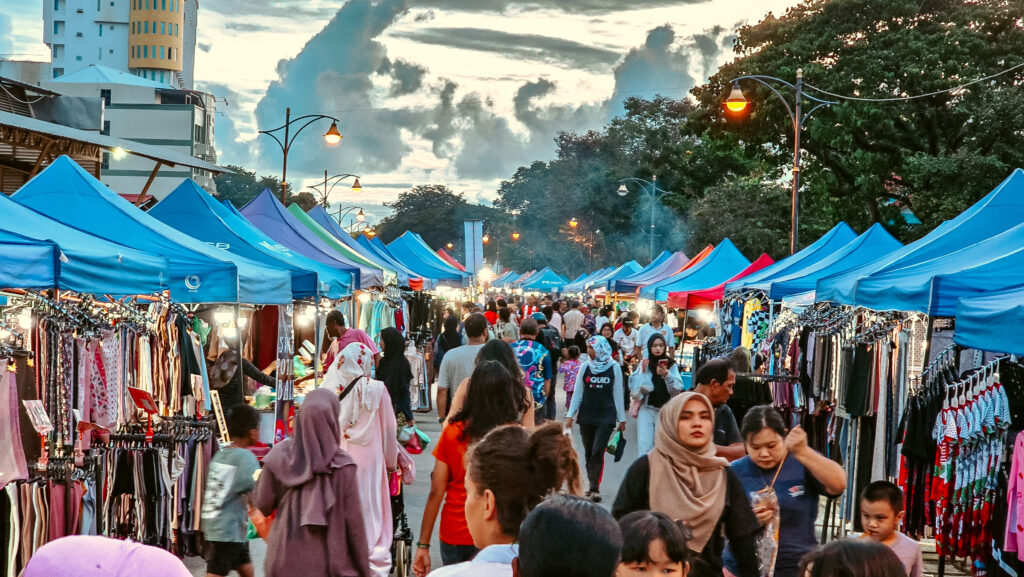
{"type": "Point", "coordinates": [722, 263]}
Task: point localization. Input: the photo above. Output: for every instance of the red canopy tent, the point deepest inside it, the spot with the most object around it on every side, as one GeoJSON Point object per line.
{"type": "Point", "coordinates": [705, 298]}
{"type": "Point", "coordinates": [449, 259]}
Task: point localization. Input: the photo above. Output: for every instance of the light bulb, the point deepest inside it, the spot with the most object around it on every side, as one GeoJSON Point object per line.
{"type": "Point", "coordinates": [364, 298]}
{"type": "Point", "coordinates": [223, 317]}
{"type": "Point", "coordinates": [243, 322]}
{"type": "Point", "coordinates": [229, 332]}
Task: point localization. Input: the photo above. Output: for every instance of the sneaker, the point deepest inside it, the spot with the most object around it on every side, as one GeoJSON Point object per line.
{"type": "Point", "coordinates": [595, 497]}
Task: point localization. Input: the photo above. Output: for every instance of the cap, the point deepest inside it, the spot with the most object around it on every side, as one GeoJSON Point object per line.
{"type": "Point", "coordinates": [627, 322]}
{"type": "Point", "coordinates": [540, 317]}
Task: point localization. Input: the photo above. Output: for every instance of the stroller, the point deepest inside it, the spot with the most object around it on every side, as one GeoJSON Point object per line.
{"type": "Point", "coordinates": [402, 545]}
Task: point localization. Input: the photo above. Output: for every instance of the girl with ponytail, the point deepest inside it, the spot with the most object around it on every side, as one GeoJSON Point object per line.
{"type": "Point", "coordinates": [508, 473]}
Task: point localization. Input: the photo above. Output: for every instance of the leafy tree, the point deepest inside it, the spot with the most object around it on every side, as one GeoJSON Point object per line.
{"type": "Point", "coordinates": [935, 155]}
{"type": "Point", "coordinates": [241, 185]}
{"type": "Point", "coordinates": [752, 213]}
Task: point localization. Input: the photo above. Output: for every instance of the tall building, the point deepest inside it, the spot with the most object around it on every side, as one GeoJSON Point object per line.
{"type": "Point", "coordinates": [152, 39]}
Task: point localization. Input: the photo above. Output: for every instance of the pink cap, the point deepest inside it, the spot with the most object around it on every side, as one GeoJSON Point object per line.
{"type": "Point", "coordinates": [89, 556]}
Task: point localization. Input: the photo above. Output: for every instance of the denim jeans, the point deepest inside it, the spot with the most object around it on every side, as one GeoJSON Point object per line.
{"type": "Point", "coordinates": [646, 422]}
{"type": "Point", "coordinates": [452, 554]}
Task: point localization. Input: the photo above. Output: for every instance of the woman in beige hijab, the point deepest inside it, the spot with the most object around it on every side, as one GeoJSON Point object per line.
{"type": "Point", "coordinates": [682, 478]}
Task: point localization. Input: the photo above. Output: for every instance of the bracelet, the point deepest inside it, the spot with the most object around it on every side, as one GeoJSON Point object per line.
{"type": "Point", "coordinates": [422, 545]}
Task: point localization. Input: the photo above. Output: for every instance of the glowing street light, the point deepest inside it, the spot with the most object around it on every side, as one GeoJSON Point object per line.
{"type": "Point", "coordinates": [623, 191]}
{"type": "Point", "coordinates": [333, 135]}
{"type": "Point", "coordinates": [486, 239]}
{"type": "Point", "coordinates": [515, 236]}
{"type": "Point", "coordinates": [356, 187]}
{"type": "Point", "coordinates": [574, 223]}
{"type": "Point", "coordinates": [736, 101]}
{"type": "Point", "coordinates": [360, 216]}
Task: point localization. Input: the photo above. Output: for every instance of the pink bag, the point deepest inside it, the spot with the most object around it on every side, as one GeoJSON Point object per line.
{"type": "Point", "coordinates": [395, 482]}
{"type": "Point", "coordinates": [634, 407]}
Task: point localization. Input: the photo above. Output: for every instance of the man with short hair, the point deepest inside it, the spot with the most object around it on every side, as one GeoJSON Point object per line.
{"type": "Point", "coordinates": [572, 321]}
{"type": "Point", "coordinates": [458, 363]}
{"type": "Point", "coordinates": [552, 341]}
{"type": "Point", "coordinates": [567, 535]}
{"type": "Point", "coordinates": [625, 337]}
{"type": "Point", "coordinates": [715, 380]}
{"type": "Point", "coordinates": [535, 361]}
{"type": "Point", "coordinates": [344, 336]}
{"type": "Point", "coordinates": [529, 308]}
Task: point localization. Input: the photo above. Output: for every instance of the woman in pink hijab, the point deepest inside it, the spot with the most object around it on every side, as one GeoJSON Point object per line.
{"type": "Point", "coordinates": [369, 433]}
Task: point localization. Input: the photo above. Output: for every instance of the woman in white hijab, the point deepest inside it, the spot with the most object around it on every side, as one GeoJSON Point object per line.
{"type": "Point", "coordinates": [369, 435]}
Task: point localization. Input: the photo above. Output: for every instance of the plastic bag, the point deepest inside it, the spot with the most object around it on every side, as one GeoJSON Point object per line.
{"type": "Point", "coordinates": [424, 439]}
{"type": "Point", "coordinates": [404, 434]}
{"type": "Point", "coordinates": [768, 542]}
{"type": "Point", "coordinates": [613, 443]}
{"type": "Point", "coordinates": [413, 446]}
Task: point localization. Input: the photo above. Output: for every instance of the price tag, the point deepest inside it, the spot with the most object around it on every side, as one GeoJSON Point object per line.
{"type": "Point", "coordinates": [37, 415]}
{"type": "Point", "coordinates": [143, 400]}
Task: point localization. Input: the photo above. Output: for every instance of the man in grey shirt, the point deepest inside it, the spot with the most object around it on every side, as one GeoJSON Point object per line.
{"type": "Point", "coordinates": [458, 363]}
{"type": "Point", "coordinates": [573, 321]}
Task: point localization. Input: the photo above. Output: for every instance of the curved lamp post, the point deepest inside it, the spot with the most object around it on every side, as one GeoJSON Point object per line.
{"type": "Point", "coordinates": [331, 137]}
{"type": "Point", "coordinates": [650, 187]}
{"type": "Point", "coordinates": [737, 102]}
{"type": "Point", "coordinates": [335, 181]}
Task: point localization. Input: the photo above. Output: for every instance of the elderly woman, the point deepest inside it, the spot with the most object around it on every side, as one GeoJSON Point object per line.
{"type": "Point", "coordinates": [369, 434]}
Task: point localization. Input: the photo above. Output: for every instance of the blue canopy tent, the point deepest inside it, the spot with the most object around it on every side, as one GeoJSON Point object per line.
{"type": "Point", "coordinates": [999, 211]}
{"type": "Point", "coordinates": [933, 286]}
{"type": "Point", "coordinates": [410, 249]}
{"type": "Point", "coordinates": [546, 280]}
{"type": "Point", "coordinates": [88, 265]}
{"type": "Point", "coordinates": [199, 273]}
{"type": "Point", "coordinates": [658, 270]}
{"type": "Point", "coordinates": [721, 265]}
{"type": "Point", "coordinates": [319, 215]}
{"type": "Point", "coordinates": [192, 210]}
{"type": "Point", "coordinates": [875, 241]}
{"type": "Point", "coordinates": [577, 285]}
{"type": "Point", "coordinates": [267, 213]}
{"type": "Point", "coordinates": [992, 322]}
{"type": "Point", "coordinates": [622, 271]}
{"type": "Point", "coordinates": [505, 279]}
{"type": "Point", "coordinates": [833, 240]}
{"type": "Point", "coordinates": [26, 263]}
{"type": "Point", "coordinates": [376, 247]}
{"type": "Point", "coordinates": [523, 279]}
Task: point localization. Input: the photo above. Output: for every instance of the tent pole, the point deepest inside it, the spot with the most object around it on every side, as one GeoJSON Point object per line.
{"type": "Point", "coordinates": [149, 182]}
{"type": "Point", "coordinates": [319, 341]}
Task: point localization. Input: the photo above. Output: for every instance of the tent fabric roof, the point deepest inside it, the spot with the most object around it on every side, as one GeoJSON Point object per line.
{"type": "Point", "coordinates": [410, 248]}
{"type": "Point", "coordinates": [267, 213]}
{"type": "Point", "coordinates": [506, 279]}
{"type": "Point", "coordinates": [999, 211]}
{"type": "Point", "coordinates": [192, 210]}
{"type": "Point", "coordinates": [388, 275]}
{"type": "Point", "coordinates": [992, 322]}
{"type": "Point", "coordinates": [723, 263]}
{"type": "Point", "coordinates": [320, 216]}
{"type": "Point", "coordinates": [150, 151]}
{"type": "Point", "coordinates": [577, 285]}
{"type": "Point", "coordinates": [88, 264]}
{"type": "Point", "coordinates": [705, 298]}
{"type": "Point", "coordinates": [933, 286]}
{"type": "Point", "coordinates": [624, 270]}
{"type": "Point", "coordinates": [660, 269]}
{"type": "Point", "coordinates": [26, 263]}
{"type": "Point", "coordinates": [840, 235]}
{"type": "Point", "coordinates": [450, 259]}
{"type": "Point", "coordinates": [875, 241]}
{"type": "Point", "coordinates": [416, 280]}
{"type": "Point", "coordinates": [546, 279]}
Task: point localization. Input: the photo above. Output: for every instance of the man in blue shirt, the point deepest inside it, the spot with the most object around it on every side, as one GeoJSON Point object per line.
{"type": "Point", "coordinates": [535, 361]}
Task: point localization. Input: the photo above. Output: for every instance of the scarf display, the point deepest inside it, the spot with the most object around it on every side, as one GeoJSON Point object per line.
{"type": "Point", "coordinates": [687, 484]}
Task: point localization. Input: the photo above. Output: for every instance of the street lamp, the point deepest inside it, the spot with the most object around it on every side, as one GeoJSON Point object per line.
{"type": "Point", "coordinates": [653, 192]}
{"type": "Point", "coordinates": [515, 236]}
{"type": "Point", "coordinates": [360, 217]}
{"type": "Point", "coordinates": [369, 232]}
{"type": "Point", "coordinates": [486, 239]}
{"type": "Point", "coordinates": [334, 181]}
{"type": "Point", "coordinates": [737, 102]}
{"type": "Point", "coordinates": [332, 137]}
{"type": "Point", "coordinates": [449, 246]}
{"type": "Point", "coordinates": [574, 223]}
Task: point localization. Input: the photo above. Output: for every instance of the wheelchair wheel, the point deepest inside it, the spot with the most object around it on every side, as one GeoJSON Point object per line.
{"type": "Point", "coordinates": [402, 563]}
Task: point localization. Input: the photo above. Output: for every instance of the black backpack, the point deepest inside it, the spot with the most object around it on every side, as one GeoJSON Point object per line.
{"type": "Point", "coordinates": [552, 341]}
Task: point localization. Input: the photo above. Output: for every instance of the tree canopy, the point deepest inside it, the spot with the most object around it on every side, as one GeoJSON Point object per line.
{"type": "Point", "coordinates": [241, 185]}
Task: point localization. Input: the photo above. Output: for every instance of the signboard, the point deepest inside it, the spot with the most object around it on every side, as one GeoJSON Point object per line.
{"type": "Point", "coordinates": [474, 233]}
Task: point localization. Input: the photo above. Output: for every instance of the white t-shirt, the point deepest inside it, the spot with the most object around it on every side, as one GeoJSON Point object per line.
{"type": "Point", "coordinates": [647, 331]}
{"type": "Point", "coordinates": [573, 322]}
{"type": "Point", "coordinates": [556, 322]}
{"type": "Point", "coordinates": [626, 342]}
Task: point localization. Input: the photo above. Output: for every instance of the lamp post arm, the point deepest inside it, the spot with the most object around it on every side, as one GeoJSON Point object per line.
{"type": "Point", "coordinates": [762, 80]}
{"type": "Point", "coordinates": [312, 117]}
{"type": "Point", "coordinates": [811, 111]}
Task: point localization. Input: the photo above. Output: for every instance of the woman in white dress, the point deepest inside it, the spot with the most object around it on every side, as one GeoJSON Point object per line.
{"type": "Point", "coordinates": [369, 435]}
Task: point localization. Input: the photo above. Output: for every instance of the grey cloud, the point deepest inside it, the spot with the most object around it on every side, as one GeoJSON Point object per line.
{"type": "Point", "coordinates": [710, 44]}
{"type": "Point", "coordinates": [230, 150]}
{"type": "Point", "coordinates": [246, 27]}
{"type": "Point", "coordinates": [527, 46]}
{"type": "Point", "coordinates": [425, 16]}
{"type": "Point", "coordinates": [408, 77]}
{"type": "Point", "coordinates": [268, 8]}
{"type": "Point", "coordinates": [205, 46]}
{"type": "Point", "coordinates": [571, 6]}
{"type": "Point", "coordinates": [656, 67]}
{"type": "Point", "coordinates": [6, 32]}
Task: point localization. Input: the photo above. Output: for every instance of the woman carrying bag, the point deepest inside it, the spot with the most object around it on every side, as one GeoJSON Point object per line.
{"type": "Point", "coordinates": [650, 387]}
{"type": "Point", "coordinates": [598, 404]}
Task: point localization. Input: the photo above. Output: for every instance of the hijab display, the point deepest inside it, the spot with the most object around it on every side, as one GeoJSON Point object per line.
{"type": "Point", "coordinates": [687, 484]}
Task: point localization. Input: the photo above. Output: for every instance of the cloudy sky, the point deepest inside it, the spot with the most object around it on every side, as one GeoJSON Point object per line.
{"type": "Point", "coordinates": [458, 92]}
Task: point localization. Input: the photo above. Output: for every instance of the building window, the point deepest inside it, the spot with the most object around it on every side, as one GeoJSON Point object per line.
{"type": "Point", "coordinates": [58, 72]}
{"type": "Point", "coordinates": [162, 53]}
{"type": "Point", "coordinates": [56, 5]}
{"type": "Point", "coordinates": [106, 128]}
{"type": "Point", "coordinates": [78, 58]}
{"type": "Point", "coordinates": [98, 2]}
{"type": "Point", "coordinates": [105, 95]}
{"type": "Point", "coordinates": [163, 4]}
{"type": "Point", "coordinates": [145, 51]}
{"type": "Point", "coordinates": [163, 28]}
{"type": "Point", "coordinates": [145, 27]}
{"type": "Point", "coordinates": [147, 4]}
{"type": "Point", "coordinates": [58, 26]}
{"type": "Point", "coordinates": [101, 31]}
{"type": "Point", "coordinates": [105, 164]}
{"type": "Point", "coordinates": [161, 76]}
{"type": "Point", "coordinates": [99, 53]}
{"type": "Point", "coordinates": [111, 26]}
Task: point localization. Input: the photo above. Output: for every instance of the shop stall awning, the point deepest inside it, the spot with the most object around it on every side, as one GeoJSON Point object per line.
{"type": "Point", "coordinates": [320, 216]}
{"type": "Point", "coordinates": [545, 280]}
{"type": "Point", "coordinates": [999, 211]}
{"type": "Point", "coordinates": [505, 278]}
{"type": "Point", "coordinates": [992, 322]}
{"type": "Point", "coordinates": [193, 211]}
{"type": "Point", "coordinates": [705, 298]}
{"type": "Point", "coordinates": [88, 264]}
{"type": "Point", "coordinates": [450, 259]}
{"type": "Point", "coordinates": [416, 280]}
{"type": "Point", "coordinates": [579, 284]}
{"type": "Point", "coordinates": [867, 247]}
{"type": "Point", "coordinates": [267, 213]}
{"type": "Point", "coordinates": [27, 263]}
{"type": "Point", "coordinates": [723, 263]}
{"type": "Point", "coordinates": [660, 269]}
{"type": "Point", "coordinates": [199, 273]}
{"type": "Point", "coordinates": [933, 286]}
{"type": "Point", "coordinates": [347, 252]}
{"type": "Point", "coordinates": [840, 235]}
{"type": "Point", "coordinates": [410, 248]}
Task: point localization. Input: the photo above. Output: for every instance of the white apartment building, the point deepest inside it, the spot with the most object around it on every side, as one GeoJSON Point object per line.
{"type": "Point", "coordinates": [149, 112]}
{"type": "Point", "coordinates": [152, 39]}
